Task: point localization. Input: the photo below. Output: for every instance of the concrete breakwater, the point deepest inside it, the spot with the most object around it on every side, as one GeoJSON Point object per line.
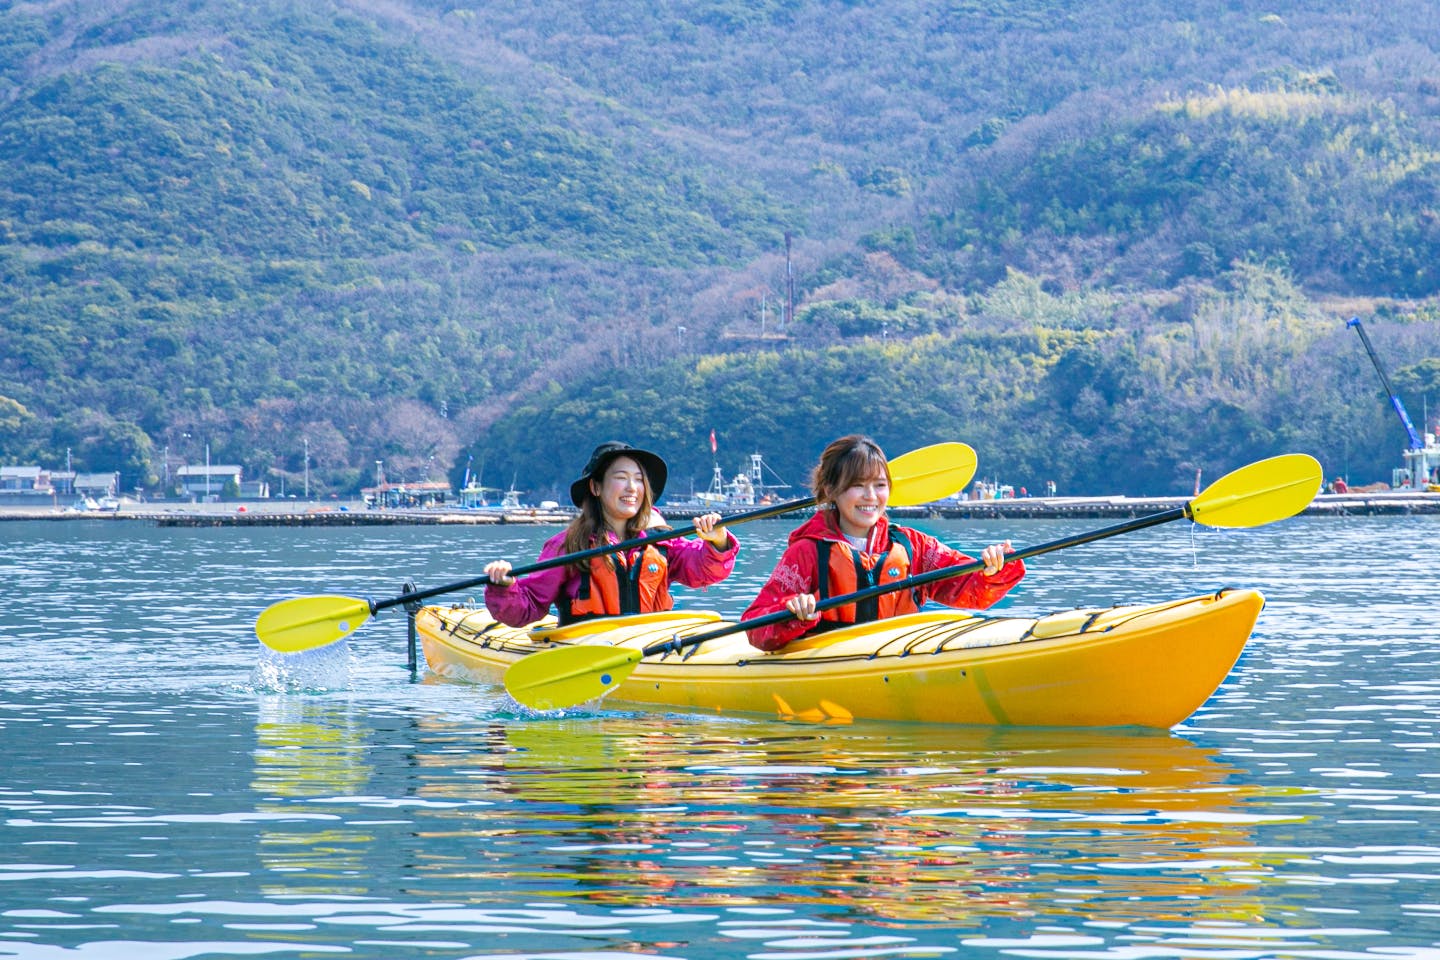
{"type": "Point", "coordinates": [1054, 508]}
{"type": "Point", "coordinates": [369, 518]}
{"type": "Point", "coordinates": [279, 513]}
{"type": "Point", "coordinates": [1388, 503]}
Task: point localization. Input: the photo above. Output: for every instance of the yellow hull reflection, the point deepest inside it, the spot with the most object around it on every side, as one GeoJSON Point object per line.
{"type": "Point", "coordinates": [307, 750]}
{"type": "Point", "coordinates": [901, 823]}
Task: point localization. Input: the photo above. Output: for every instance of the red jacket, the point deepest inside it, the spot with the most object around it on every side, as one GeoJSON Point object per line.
{"type": "Point", "coordinates": [798, 572]}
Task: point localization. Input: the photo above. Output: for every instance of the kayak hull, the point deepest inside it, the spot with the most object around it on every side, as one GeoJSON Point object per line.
{"type": "Point", "coordinates": [1140, 665]}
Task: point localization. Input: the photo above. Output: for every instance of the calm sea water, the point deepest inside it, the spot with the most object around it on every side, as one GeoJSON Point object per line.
{"type": "Point", "coordinates": [171, 791]}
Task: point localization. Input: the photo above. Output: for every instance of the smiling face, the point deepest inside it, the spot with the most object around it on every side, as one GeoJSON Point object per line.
{"type": "Point", "coordinates": [853, 478]}
{"type": "Point", "coordinates": [622, 490]}
{"type": "Point", "coordinates": [861, 504]}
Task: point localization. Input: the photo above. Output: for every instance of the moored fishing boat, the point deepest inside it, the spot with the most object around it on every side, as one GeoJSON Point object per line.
{"type": "Point", "coordinates": [1135, 665]}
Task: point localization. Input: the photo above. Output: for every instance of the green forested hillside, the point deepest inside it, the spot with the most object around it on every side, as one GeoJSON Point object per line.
{"type": "Point", "coordinates": [1339, 187]}
{"type": "Point", "coordinates": [1241, 371]}
{"type": "Point", "coordinates": [1106, 246]}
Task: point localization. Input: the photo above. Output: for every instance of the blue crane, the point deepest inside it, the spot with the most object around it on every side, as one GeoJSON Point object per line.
{"type": "Point", "coordinates": [1415, 442]}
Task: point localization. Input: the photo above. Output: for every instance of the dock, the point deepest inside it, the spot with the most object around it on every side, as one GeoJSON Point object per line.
{"type": "Point", "coordinates": [1391, 503]}
{"type": "Point", "coordinates": [282, 514]}
{"type": "Point", "coordinates": [1388, 503]}
{"type": "Point", "coordinates": [257, 514]}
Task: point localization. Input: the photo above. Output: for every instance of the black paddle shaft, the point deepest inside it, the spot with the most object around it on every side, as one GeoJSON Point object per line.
{"type": "Point", "coordinates": [930, 576]}
{"type": "Point", "coordinates": [774, 510]}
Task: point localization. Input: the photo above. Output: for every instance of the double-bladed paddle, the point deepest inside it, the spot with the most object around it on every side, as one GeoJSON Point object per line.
{"type": "Point", "coordinates": [1254, 495]}
{"type": "Point", "coordinates": [304, 623]}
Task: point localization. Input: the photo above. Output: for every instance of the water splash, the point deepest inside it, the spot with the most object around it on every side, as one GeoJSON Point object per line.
{"type": "Point", "coordinates": [324, 670]}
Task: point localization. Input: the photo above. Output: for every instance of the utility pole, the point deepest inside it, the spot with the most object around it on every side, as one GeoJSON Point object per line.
{"type": "Point", "coordinates": [189, 491]}
{"type": "Point", "coordinates": [307, 468]}
{"type": "Point", "coordinates": [789, 286]}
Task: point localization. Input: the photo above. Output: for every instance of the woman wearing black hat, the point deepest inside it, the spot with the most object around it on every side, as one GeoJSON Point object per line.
{"type": "Point", "coordinates": [616, 495]}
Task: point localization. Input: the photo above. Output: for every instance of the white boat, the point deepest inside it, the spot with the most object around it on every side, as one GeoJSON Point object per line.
{"type": "Point", "coordinates": [477, 497]}
{"type": "Point", "coordinates": [1422, 466]}
{"type": "Point", "coordinates": [744, 490]}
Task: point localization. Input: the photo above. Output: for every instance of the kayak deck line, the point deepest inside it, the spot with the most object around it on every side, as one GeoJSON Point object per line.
{"type": "Point", "coordinates": [948, 626]}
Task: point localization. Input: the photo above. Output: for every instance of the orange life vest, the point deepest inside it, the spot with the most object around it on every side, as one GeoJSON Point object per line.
{"type": "Point", "coordinates": [611, 585]}
{"type": "Point", "coordinates": [844, 570]}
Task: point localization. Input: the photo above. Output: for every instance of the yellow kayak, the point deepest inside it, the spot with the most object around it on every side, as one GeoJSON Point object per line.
{"type": "Point", "coordinates": [1143, 665]}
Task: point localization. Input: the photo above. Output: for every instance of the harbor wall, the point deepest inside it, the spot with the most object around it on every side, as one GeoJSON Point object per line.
{"type": "Point", "coordinates": [1395, 502]}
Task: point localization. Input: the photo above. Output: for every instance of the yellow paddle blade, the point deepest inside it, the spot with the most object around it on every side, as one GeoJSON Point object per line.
{"type": "Point", "coordinates": [565, 676]}
{"type": "Point", "coordinates": [1263, 492]}
{"type": "Point", "coordinates": [931, 473]}
{"type": "Point", "coordinates": [305, 623]}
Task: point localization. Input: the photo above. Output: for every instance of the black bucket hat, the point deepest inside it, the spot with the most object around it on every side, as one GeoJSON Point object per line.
{"type": "Point", "coordinates": [653, 466]}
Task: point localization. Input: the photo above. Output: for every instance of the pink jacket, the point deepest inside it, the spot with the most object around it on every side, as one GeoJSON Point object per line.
{"type": "Point", "coordinates": [797, 572]}
{"type": "Point", "coordinates": [692, 562]}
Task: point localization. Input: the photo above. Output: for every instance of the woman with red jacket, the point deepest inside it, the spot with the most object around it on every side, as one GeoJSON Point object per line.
{"type": "Point", "coordinates": [616, 494]}
{"type": "Point", "coordinates": [849, 544]}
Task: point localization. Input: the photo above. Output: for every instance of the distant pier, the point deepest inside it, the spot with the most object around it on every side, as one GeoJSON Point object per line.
{"type": "Point", "coordinates": [1389, 503]}
{"type": "Point", "coordinates": [368, 518]}
{"type": "Point", "coordinates": [282, 514]}
{"type": "Point", "coordinates": [1057, 508]}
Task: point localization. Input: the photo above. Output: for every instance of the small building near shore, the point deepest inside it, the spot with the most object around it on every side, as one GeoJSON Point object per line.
{"type": "Point", "coordinates": [96, 485]}
{"type": "Point", "coordinates": [63, 483]}
{"type": "Point", "coordinates": [25, 485]}
{"type": "Point", "coordinates": [254, 490]}
{"type": "Point", "coordinates": [209, 481]}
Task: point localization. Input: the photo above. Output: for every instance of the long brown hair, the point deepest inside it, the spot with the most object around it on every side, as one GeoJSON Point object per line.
{"type": "Point", "coordinates": [589, 527]}
{"type": "Point", "coordinates": [845, 462]}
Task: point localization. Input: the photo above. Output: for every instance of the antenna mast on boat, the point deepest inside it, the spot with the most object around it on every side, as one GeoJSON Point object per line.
{"type": "Point", "coordinates": [717, 479]}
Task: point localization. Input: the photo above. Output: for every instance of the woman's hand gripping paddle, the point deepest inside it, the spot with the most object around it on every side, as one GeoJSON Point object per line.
{"type": "Point", "coordinates": [304, 623]}
{"type": "Point", "coordinates": [1254, 495]}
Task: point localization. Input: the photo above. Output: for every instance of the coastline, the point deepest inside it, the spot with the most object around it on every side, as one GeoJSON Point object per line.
{"type": "Point", "coordinates": [1388, 503]}
{"type": "Point", "coordinates": [356, 513]}
{"type": "Point", "coordinates": [284, 513]}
